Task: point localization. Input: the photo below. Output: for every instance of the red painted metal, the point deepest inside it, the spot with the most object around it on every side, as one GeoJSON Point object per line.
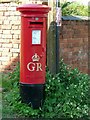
{"type": "Point", "coordinates": [33, 56]}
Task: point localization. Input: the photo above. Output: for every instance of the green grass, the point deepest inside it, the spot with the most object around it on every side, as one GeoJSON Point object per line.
{"type": "Point", "coordinates": [7, 110]}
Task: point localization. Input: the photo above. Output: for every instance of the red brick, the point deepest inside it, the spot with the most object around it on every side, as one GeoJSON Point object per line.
{"type": "Point", "coordinates": [73, 38]}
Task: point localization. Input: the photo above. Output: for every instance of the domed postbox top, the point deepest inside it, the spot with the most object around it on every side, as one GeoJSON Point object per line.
{"type": "Point", "coordinates": [34, 8]}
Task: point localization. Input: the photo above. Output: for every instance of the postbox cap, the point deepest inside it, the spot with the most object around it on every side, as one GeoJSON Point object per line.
{"type": "Point", "coordinates": [34, 8]}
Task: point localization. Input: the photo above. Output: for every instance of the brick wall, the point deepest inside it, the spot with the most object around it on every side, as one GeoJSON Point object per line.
{"type": "Point", "coordinates": [9, 36]}
{"type": "Point", "coordinates": [73, 39]}
{"type": "Point", "coordinates": [74, 42]}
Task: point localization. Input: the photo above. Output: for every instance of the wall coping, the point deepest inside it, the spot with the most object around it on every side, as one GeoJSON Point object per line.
{"type": "Point", "coordinates": [78, 18]}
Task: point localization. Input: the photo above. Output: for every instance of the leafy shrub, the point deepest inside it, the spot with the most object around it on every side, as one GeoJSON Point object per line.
{"type": "Point", "coordinates": [67, 95]}
{"type": "Point", "coordinates": [70, 8]}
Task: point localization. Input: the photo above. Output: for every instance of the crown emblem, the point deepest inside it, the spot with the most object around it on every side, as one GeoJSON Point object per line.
{"type": "Point", "coordinates": [35, 58]}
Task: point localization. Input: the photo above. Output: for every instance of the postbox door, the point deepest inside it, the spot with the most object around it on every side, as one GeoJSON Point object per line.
{"type": "Point", "coordinates": [35, 63]}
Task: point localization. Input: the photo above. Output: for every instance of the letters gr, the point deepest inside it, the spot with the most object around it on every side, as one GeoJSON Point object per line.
{"type": "Point", "coordinates": [34, 66]}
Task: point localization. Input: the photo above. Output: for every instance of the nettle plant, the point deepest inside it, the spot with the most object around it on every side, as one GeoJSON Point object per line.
{"type": "Point", "coordinates": [66, 95]}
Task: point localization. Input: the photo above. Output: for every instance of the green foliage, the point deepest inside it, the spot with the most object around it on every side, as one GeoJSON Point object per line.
{"type": "Point", "coordinates": [74, 9]}
{"type": "Point", "coordinates": [64, 5]}
{"type": "Point", "coordinates": [67, 95]}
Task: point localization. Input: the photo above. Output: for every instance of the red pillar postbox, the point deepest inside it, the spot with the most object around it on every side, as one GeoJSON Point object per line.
{"type": "Point", "coordinates": [33, 53]}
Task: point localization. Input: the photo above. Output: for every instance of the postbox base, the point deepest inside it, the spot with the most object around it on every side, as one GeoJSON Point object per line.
{"type": "Point", "coordinates": [33, 94]}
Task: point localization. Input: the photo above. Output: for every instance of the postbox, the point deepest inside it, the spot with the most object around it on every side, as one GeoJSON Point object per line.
{"type": "Point", "coordinates": [33, 53]}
